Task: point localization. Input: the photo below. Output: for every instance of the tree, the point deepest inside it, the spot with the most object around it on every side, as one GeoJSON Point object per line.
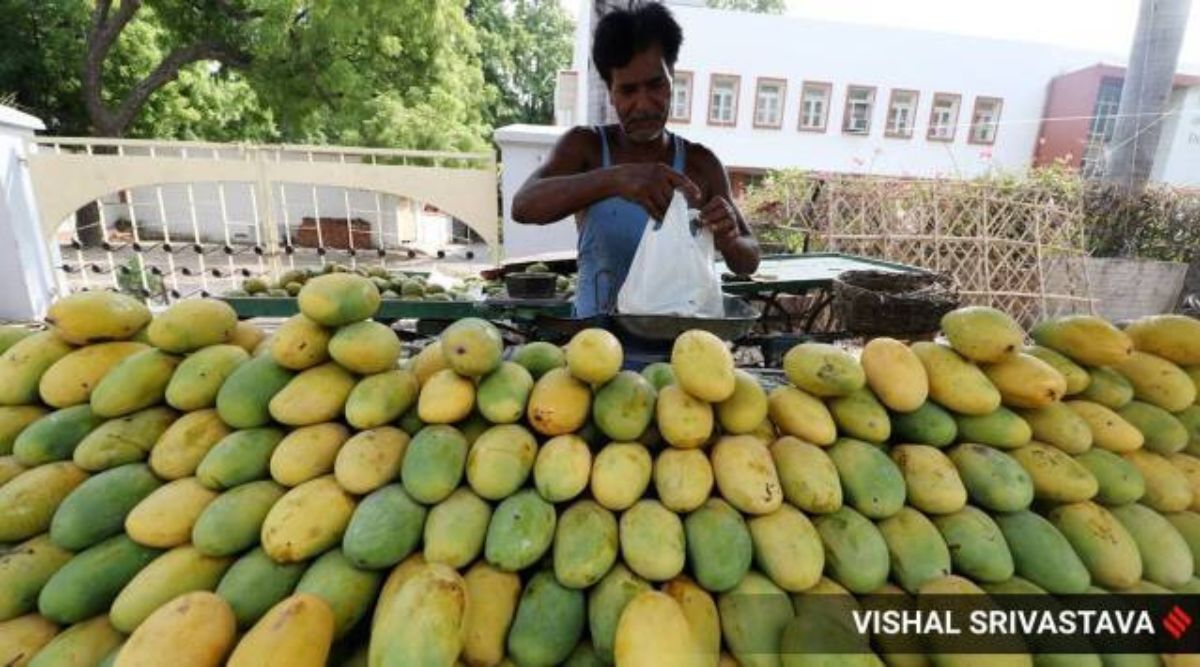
{"type": "Point", "coordinates": [759, 6]}
{"type": "Point", "coordinates": [1146, 91]}
{"type": "Point", "coordinates": [524, 44]}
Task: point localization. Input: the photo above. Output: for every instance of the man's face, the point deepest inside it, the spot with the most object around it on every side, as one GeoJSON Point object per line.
{"type": "Point", "coordinates": [641, 94]}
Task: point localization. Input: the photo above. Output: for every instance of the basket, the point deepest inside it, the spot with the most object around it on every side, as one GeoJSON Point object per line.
{"type": "Point", "coordinates": [530, 285]}
{"type": "Point", "coordinates": [886, 302]}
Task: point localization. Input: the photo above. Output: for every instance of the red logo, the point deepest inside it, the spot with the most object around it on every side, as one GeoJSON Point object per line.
{"type": "Point", "coordinates": [1177, 622]}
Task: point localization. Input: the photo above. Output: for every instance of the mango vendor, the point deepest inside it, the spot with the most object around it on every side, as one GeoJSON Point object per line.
{"type": "Point", "coordinates": [613, 178]}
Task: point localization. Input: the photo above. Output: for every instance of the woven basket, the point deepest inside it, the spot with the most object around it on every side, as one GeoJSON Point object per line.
{"type": "Point", "coordinates": [885, 302]}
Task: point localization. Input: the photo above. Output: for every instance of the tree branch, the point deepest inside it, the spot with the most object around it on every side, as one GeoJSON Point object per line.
{"type": "Point", "coordinates": [102, 34]}
{"type": "Point", "coordinates": [168, 70]}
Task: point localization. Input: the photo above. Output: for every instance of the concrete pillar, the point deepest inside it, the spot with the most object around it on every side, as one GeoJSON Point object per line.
{"type": "Point", "coordinates": [27, 278]}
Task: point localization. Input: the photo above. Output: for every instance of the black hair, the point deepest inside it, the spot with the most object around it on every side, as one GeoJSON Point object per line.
{"type": "Point", "coordinates": [623, 33]}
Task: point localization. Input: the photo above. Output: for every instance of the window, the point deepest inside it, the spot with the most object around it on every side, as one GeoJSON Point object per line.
{"type": "Point", "coordinates": [985, 120]}
{"type": "Point", "coordinates": [814, 106]}
{"type": "Point", "coordinates": [681, 97]}
{"type": "Point", "coordinates": [723, 100]}
{"type": "Point", "coordinates": [565, 94]}
{"type": "Point", "coordinates": [768, 103]}
{"type": "Point", "coordinates": [902, 109]}
{"type": "Point", "coordinates": [860, 101]}
{"type": "Point", "coordinates": [943, 118]}
{"type": "Point", "coordinates": [1104, 121]}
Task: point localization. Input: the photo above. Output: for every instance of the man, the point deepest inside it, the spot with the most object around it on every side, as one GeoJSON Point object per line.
{"type": "Point", "coordinates": [614, 177]}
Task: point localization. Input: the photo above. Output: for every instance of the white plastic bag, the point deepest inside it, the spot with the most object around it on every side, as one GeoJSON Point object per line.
{"type": "Point", "coordinates": [672, 271]}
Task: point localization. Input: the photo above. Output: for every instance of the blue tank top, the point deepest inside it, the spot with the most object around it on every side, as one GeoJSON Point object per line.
{"type": "Point", "coordinates": [609, 238]}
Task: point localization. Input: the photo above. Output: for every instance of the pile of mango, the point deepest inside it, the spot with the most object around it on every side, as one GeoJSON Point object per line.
{"type": "Point", "coordinates": [182, 489]}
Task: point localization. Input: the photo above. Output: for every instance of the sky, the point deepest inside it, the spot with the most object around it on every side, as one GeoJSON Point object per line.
{"type": "Point", "coordinates": [1095, 25]}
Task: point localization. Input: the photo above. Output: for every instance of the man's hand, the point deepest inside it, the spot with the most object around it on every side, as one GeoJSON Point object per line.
{"type": "Point", "coordinates": [720, 218]}
{"type": "Point", "coordinates": [652, 184]}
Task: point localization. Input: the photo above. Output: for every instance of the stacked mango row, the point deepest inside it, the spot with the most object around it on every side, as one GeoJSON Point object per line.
{"type": "Point", "coordinates": [183, 488]}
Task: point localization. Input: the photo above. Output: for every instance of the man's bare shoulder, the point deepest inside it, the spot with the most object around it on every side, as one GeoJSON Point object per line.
{"type": "Point", "coordinates": [700, 156]}
{"type": "Point", "coordinates": [579, 145]}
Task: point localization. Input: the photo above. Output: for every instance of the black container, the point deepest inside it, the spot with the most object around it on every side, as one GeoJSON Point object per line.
{"type": "Point", "coordinates": [530, 285]}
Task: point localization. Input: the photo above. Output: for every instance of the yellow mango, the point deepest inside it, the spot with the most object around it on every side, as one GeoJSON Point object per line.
{"type": "Point", "coordinates": [399, 576]}
{"type": "Point", "coordinates": [195, 630]}
{"type": "Point", "coordinates": [1109, 430]}
{"type": "Point", "coordinates": [1175, 338]}
{"type": "Point", "coordinates": [1024, 381]}
{"type": "Point", "coordinates": [316, 395]}
{"type": "Point", "coordinates": [1086, 339]}
{"type": "Point", "coordinates": [90, 317]}
{"type": "Point", "coordinates": [247, 336]}
{"type": "Point", "coordinates": [653, 632]}
{"type": "Point", "coordinates": [307, 453]}
{"type": "Point", "coordinates": [620, 474]}
{"type": "Point", "coordinates": [594, 356]}
{"type": "Point", "coordinates": [559, 403]}
{"type": "Point", "coordinates": [808, 475]}
{"type": "Point", "coordinates": [424, 622]}
{"type": "Point", "coordinates": [472, 347]}
{"type": "Point", "coordinates": [429, 361]}
{"type": "Point", "coordinates": [787, 548]}
{"type": "Point", "coordinates": [191, 324]}
{"type": "Point", "coordinates": [491, 603]}
{"type": "Point", "coordinates": [683, 479]}
{"type": "Point", "coordinates": [181, 570]}
{"type": "Point", "coordinates": [1077, 377]}
{"type": "Point", "coordinates": [745, 475]}
{"type": "Point", "coordinates": [798, 414]}
{"type": "Point", "coordinates": [1158, 381]}
{"type": "Point", "coordinates": [931, 479]}
{"type": "Point", "coordinates": [297, 632]}
{"type": "Point", "coordinates": [982, 334]}
{"type": "Point", "coordinates": [683, 420]}
{"type": "Point", "coordinates": [165, 518]}
{"type": "Point", "coordinates": [381, 399]}
{"type": "Point", "coordinates": [1167, 487]}
{"type": "Point", "coordinates": [13, 420]}
{"type": "Point", "coordinates": [702, 616]}
{"type": "Point", "coordinates": [562, 468]}
{"type": "Point", "coordinates": [895, 374]}
{"type": "Point", "coordinates": [370, 459]}
{"type": "Point", "coordinates": [28, 501]}
{"type": "Point", "coordinates": [365, 347]}
{"type": "Point", "coordinates": [446, 397]}
{"type": "Point", "coordinates": [84, 644]}
{"type": "Point", "coordinates": [300, 343]}
{"type": "Point", "coordinates": [823, 370]}
{"type": "Point", "coordinates": [23, 365]}
{"type": "Point", "coordinates": [1056, 476]}
{"type": "Point", "coordinates": [956, 383]}
{"type": "Point", "coordinates": [703, 366]}
{"type": "Point", "coordinates": [746, 408]}
{"type": "Point", "coordinates": [10, 467]}
{"type": "Point", "coordinates": [71, 379]}
{"type": "Point", "coordinates": [137, 381]}
{"type": "Point", "coordinates": [22, 637]}
{"type": "Point", "coordinates": [1190, 467]}
{"type": "Point", "coordinates": [307, 520]}
{"type": "Point", "coordinates": [185, 443]}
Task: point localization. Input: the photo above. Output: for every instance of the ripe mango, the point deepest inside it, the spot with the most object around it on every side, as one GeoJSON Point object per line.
{"type": "Point", "coordinates": [932, 483]}
{"type": "Point", "coordinates": [1167, 488]}
{"type": "Point", "coordinates": [24, 571]}
{"type": "Point", "coordinates": [808, 476]}
{"type": "Point", "coordinates": [624, 406]}
{"type": "Point", "coordinates": [84, 318]}
{"type": "Point", "coordinates": [85, 643]}
{"type": "Point", "coordinates": [746, 408]}
{"type": "Point", "coordinates": [1086, 339]}
{"type": "Point", "coordinates": [1108, 388]}
{"type": "Point", "coordinates": [55, 436]}
{"type": "Point", "coordinates": [1164, 434]}
{"type": "Point", "coordinates": [787, 548]}
{"type": "Point", "coordinates": [239, 458]}
{"type": "Point", "coordinates": [191, 324]}
{"type": "Point", "coordinates": [24, 637]}
{"type": "Point", "coordinates": [859, 415]}
{"type": "Point", "coordinates": [472, 347]}
{"type": "Point", "coordinates": [491, 604]}
{"type": "Point", "coordinates": [701, 613]}
{"type": "Point", "coordinates": [180, 570]}
{"type": "Point", "coordinates": [185, 443]}
{"type": "Point", "coordinates": [165, 518]}
{"type": "Point", "coordinates": [1109, 430]}
{"type": "Point", "coordinates": [916, 551]}
{"type": "Point", "coordinates": [300, 343]}
{"type": "Point", "coordinates": [338, 299]}
{"type": "Point", "coordinates": [365, 347]}
{"type": "Point", "coordinates": [652, 540]}
{"type": "Point", "coordinates": [28, 502]}
{"type": "Point", "coordinates": [930, 424]}
{"type": "Point", "coordinates": [1056, 476]}
{"type": "Point", "coordinates": [381, 398]}
{"type": "Point", "coordinates": [659, 374]}
{"type": "Point", "coordinates": [1077, 376]}
{"type": "Point", "coordinates": [895, 374]}
{"type": "Point", "coordinates": [745, 474]}
{"type": "Point", "coordinates": [136, 382]}
{"type": "Point", "coordinates": [307, 520]}
{"type": "Point", "coordinates": [956, 383]}
{"type": "Point", "coordinates": [503, 395]}
{"type": "Point", "coordinates": [1024, 381]}
{"type": "Point", "coordinates": [428, 361]}
{"type": "Point", "coordinates": [248, 336]}
{"type": "Point", "coordinates": [585, 544]}
{"type": "Point", "coordinates": [71, 379]}
{"type": "Point", "coordinates": [370, 459]}
{"type": "Point", "coordinates": [703, 366]}
{"type": "Point", "coordinates": [13, 420]}
{"type": "Point", "coordinates": [23, 365]}
{"type": "Point", "coordinates": [10, 468]}
{"type": "Point", "coordinates": [539, 357]}
{"type": "Point", "coordinates": [683, 420]}
{"type": "Point", "coordinates": [198, 378]}
{"type": "Point", "coordinates": [348, 590]}
{"type": "Point", "coordinates": [445, 398]}
{"type": "Point", "coordinates": [1105, 547]}
{"type": "Point", "coordinates": [559, 403]}
{"type": "Point", "coordinates": [653, 631]}
{"type": "Point", "coordinates": [753, 616]}
{"type": "Point", "coordinates": [297, 632]}
{"type": "Point", "coordinates": [799, 414]}
{"type": "Point", "coordinates": [455, 529]}
{"type": "Point", "coordinates": [1175, 338]}
{"type": "Point", "coordinates": [1158, 381]}
{"type": "Point", "coordinates": [606, 601]}
{"type": "Point", "coordinates": [1002, 429]}
{"type": "Point", "coordinates": [683, 479]}
{"type": "Point", "coordinates": [233, 522]}
{"type": "Point", "coordinates": [500, 461]}
{"type": "Point", "coordinates": [1166, 558]}
{"type": "Point", "coordinates": [314, 396]}
{"type": "Point", "coordinates": [823, 370]}
{"type": "Point", "coordinates": [307, 453]}
{"type": "Point", "coordinates": [563, 467]}
{"type": "Point", "coordinates": [982, 334]}
{"type": "Point", "coordinates": [1120, 483]}
{"type": "Point", "coordinates": [1058, 425]}
{"type": "Point", "coordinates": [620, 474]}
{"type": "Point", "coordinates": [594, 356]}
{"type": "Point", "coordinates": [197, 630]}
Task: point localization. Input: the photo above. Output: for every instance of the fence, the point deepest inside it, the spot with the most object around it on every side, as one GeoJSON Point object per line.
{"type": "Point", "coordinates": [999, 242]}
{"type": "Point", "coordinates": [170, 219]}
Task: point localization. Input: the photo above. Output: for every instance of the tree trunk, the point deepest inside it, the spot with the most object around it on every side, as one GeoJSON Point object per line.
{"type": "Point", "coordinates": [1146, 91]}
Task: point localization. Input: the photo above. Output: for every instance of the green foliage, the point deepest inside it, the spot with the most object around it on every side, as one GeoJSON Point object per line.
{"type": "Point", "coordinates": [524, 45]}
{"type": "Point", "coordinates": [760, 6]}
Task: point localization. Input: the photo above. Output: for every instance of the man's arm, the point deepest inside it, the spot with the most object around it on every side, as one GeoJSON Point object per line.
{"type": "Point", "coordinates": [570, 181]}
{"type": "Point", "coordinates": [731, 234]}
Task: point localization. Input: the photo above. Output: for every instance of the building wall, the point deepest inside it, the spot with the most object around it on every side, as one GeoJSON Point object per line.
{"type": "Point", "coordinates": [1070, 101]}
{"type": "Point", "coordinates": [1178, 158]}
{"type": "Point", "coordinates": [797, 50]}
